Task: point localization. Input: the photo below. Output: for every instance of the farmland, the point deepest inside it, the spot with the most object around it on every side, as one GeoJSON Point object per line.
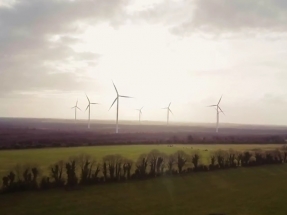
{"type": "Point", "coordinates": [243, 191]}
{"type": "Point", "coordinates": [240, 191]}
{"type": "Point", "coordinates": [37, 133]}
{"type": "Point", "coordinates": [45, 157]}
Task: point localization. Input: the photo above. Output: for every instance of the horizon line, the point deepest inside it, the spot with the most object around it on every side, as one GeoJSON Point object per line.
{"type": "Point", "coordinates": [151, 121]}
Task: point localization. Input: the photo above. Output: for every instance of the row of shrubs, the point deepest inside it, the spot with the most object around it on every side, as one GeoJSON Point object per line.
{"type": "Point", "coordinates": [83, 170]}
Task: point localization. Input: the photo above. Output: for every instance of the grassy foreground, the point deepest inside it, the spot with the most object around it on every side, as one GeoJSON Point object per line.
{"type": "Point", "coordinates": [242, 191]}
{"type": "Point", "coordinates": [45, 157]}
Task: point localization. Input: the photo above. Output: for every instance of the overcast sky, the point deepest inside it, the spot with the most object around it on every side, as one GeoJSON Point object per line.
{"type": "Point", "coordinates": [188, 52]}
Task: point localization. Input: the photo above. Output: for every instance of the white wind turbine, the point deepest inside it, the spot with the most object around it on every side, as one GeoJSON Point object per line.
{"type": "Point", "coordinates": [218, 111]}
{"type": "Point", "coordinates": [118, 100]}
{"type": "Point", "coordinates": [76, 107]}
{"type": "Point", "coordinates": [140, 113]}
{"type": "Point", "coordinates": [168, 110]}
{"type": "Point", "coordinates": [89, 106]}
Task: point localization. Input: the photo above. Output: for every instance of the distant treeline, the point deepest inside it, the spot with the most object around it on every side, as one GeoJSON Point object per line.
{"type": "Point", "coordinates": [84, 170]}
{"type": "Point", "coordinates": [35, 138]}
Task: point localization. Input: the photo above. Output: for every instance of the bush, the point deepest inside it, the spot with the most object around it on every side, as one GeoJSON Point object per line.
{"type": "Point", "coordinates": [181, 160]}
{"type": "Point", "coordinates": [171, 161]}
{"type": "Point", "coordinates": [21, 179]}
{"type": "Point", "coordinates": [195, 160]}
{"type": "Point", "coordinates": [56, 173]}
{"type": "Point", "coordinates": [72, 179]}
{"type": "Point", "coordinates": [156, 160]}
{"type": "Point", "coordinates": [141, 166]}
{"type": "Point", "coordinates": [116, 168]}
{"type": "Point", "coordinates": [112, 167]}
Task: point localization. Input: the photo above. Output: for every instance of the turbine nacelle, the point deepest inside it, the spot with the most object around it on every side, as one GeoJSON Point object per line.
{"type": "Point", "coordinates": [218, 109]}
{"type": "Point", "coordinates": [168, 108]}
{"type": "Point", "coordinates": [140, 110]}
{"type": "Point", "coordinates": [76, 106]}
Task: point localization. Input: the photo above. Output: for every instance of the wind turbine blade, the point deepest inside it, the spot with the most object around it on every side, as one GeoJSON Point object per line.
{"type": "Point", "coordinates": [164, 108]}
{"type": "Point", "coordinates": [113, 103]}
{"type": "Point", "coordinates": [169, 104]}
{"type": "Point", "coordinates": [72, 107]}
{"type": "Point", "coordinates": [88, 98]}
{"type": "Point", "coordinates": [87, 107]}
{"type": "Point", "coordinates": [126, 97]}
{"type": "Point", "coordinates": [142, 107]}
{"type": "Point", "coordinates": [94, 103]}
{"type": "Point", "coordinates": [211, 106]}
{"type": "Point", "coordinates": [170, 111]}
{"type": "Point", "coordinates": [77, 103]}
{"type": "Point", "coordinates": [79, 108]}
{"type": "Point", "coordinates": [219, 100]}
{"type": "Point", "coordinates": [221, 110]}
{"type": "Point", "coordinates": [116, 88]}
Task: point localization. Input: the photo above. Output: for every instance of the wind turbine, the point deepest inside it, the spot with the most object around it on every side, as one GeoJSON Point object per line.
{"type": "Point", "coordinates": [140, 113]}
{"type": "Point", "coordinates": [76, 107]}
{"type": "Point", "coordinates": [218, 111]}
{"type": "Point", "coordinates": [118, 100]}
{"type": "Point", "coordinates": [168, 110]}
{"type": "Point", "coordinates": [89, 106]}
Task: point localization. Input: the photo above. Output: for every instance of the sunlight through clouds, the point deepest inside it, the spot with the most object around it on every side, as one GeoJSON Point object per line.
{"type": "Point", "coordinates": [160, 51]}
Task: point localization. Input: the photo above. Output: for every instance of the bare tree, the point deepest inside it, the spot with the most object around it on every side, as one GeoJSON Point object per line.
{"type": "Point", "coordinates": [160, 164]}
{"type": "Point", "coordinates": [212, 159]}
{"type": "Point", "coordinates": [127, 166]}
{"type": "Point", "coordinates": [221, 158]}
{"type": "Point", "coordinates": [246, 156]}
{"type": "Point", "coordinates": [181, 160]}
{"type": "Point", "coordinates": [56, 173]}
{"type": "Point", "coordinates": [113, 163]}
{"type": "Point", "coordinates": [72, 179]}
{"type": "Point", "coordinates": [195, 157]}
{"type": "Point", "coordinates": [86, 163]}
{"type": "Point", "coordinates": [156, 160]}
{"type": "Point", "coordinates": [171, 161]}
{"type": "Point", "coordinates": [238, 157]}
{"type": "Point", "coordinates": [141, 165]}
{"type": "Point", "coordinates": [284, 150]}
{"type": "Point", "coordinates": [231, 158]}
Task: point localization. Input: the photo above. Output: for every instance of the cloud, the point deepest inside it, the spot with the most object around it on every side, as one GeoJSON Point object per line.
{"type": "Point", "coordinates": [36, 42]}
{"type": "Point", "coordinates": [219, 16]}
{"type": "Point", "coordinates": [238, 15]}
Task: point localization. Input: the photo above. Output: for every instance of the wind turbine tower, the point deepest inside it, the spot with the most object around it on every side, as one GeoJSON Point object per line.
{"type": "Point", "coordinates": [76, 107]}
{"type": "Point", "coordinates": [117, 99]}
{"type": "Point", "coordinates": [168, 111]}
{"type": "Point", "coordinates": [140, 114]}
{"type": "Point", "coordinates": [89, 106]}
{"type": "Point", "coordinates": [218, 111]}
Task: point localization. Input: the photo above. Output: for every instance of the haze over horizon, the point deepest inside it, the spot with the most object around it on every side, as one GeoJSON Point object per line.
{"type": "Point", "coordinates": [189, 53]}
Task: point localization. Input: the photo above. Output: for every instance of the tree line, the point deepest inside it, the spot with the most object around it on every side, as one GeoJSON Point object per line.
{"type": "Point", "coordinates": [36, 138]}
{"type": "Point", "coordinates": [84, 170]}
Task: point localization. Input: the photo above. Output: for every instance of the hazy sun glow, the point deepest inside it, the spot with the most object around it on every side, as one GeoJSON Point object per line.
{"type": "Point", "coordinates": [156, 51]}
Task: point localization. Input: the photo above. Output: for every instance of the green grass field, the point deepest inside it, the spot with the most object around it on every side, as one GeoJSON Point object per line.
{"type": "Point", "coordinates": [45, 157]}
{"type": "Point", "coordinates": [242, 191]}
